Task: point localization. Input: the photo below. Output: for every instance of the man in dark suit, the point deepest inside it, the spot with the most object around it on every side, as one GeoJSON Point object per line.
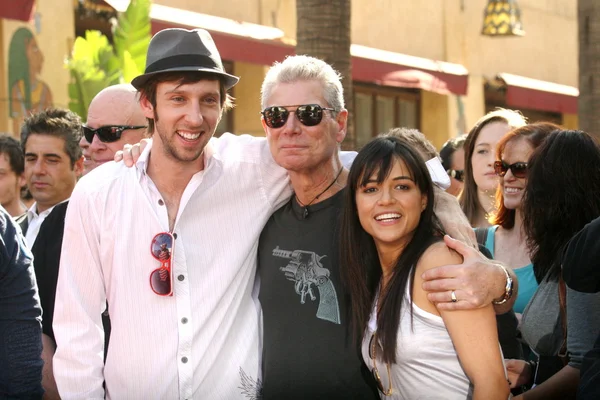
{"type": "Point", "coordinates": [53, 163]}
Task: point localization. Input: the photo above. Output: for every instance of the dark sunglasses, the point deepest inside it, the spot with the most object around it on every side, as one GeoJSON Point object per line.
{"type": "Point", "coordinates": [518, 169]}
{"type": "Point", "coordinates": [373, 345]}
{"type": "Point", "coordinates": [161, 278]}
{"type": "Point", "coordinates": [307, 114]}
{"type": "Point", "coordinates": [108, 133]}
{"type": "Point", "coordinates": [457, 174]}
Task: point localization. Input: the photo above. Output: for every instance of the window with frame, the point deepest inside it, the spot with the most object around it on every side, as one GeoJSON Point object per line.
{"type": "Point", "coordinates": [377, 109]}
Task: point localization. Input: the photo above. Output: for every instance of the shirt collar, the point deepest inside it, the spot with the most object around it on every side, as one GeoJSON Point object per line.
{"type": "Point", "coordinates": [209, 154]}
{"type": "Point", "coordinates": [32, 211]}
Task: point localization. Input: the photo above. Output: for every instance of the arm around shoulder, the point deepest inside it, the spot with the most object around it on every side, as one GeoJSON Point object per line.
{"type": "Point", "coordinates": [474, 335]}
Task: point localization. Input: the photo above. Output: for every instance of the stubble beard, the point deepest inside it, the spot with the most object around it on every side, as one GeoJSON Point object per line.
{"type": "Point", "coordinates": [169, 148]}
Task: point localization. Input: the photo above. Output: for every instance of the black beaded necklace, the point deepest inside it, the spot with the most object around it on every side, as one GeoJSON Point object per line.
{"type": "Point", "coordinates": [305, 213]}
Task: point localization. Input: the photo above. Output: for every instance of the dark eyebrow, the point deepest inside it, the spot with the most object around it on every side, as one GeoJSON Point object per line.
{"type": "Point", "coordinates": [52, 155]}
{"type": "Point", "coordinates": [397, 178]}
{"type": "Point", "coordinates": [43, 155]}
{"type": "Point", "coordinates": [178, 90]}
{"type": "Point", "coordinates": [402, 177]}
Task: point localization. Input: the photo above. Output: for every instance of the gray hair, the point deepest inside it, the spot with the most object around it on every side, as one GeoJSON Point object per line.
{"type": "Point", "coordinates": [305, 68]}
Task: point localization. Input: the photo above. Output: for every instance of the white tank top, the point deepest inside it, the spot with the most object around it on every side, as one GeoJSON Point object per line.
{"type": "Point", "coordinates": [427, 365]}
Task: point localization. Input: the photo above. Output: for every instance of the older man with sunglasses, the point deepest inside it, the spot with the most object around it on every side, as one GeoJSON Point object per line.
{"type": "Point", "coordinates": [307, 347]}
{"type": "Point", "coordinates": [114, 119]}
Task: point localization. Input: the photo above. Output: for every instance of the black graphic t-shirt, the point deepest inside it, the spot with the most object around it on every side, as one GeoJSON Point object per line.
{"type": "Point", "coordinates": [308, 352]}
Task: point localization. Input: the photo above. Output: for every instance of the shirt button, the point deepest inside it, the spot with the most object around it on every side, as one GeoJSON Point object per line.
{"type": "Point", "coordinates": [174, 235]}
{"type": "Point", "coordinates": [181, 277]}
{"type": "Point", "coordinates": [184, 320]}
{"type": "Point", "coordinates": [184, 360]}
{"type": "Point", "coordinates": [161, 202]}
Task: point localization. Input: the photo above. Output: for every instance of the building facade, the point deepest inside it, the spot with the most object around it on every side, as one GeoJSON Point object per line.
{"type": "Point", "coordinates": [421, 64]}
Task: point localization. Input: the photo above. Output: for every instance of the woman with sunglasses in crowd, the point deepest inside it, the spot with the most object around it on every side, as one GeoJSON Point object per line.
{"type": "Point", "coordinates": [562, 195]}
{"type": "Point", "coordinates": [506, 239]}
{"type": "Point", "coordinates": [480, 180]}
{"type": "Point", "coordinates": [452, 154]}
{"type": "Point", "coordinates": [389, 237]}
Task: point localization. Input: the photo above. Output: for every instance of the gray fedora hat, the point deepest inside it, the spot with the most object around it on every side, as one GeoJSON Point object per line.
{"type": "Point", "coordinates": [176, 49]}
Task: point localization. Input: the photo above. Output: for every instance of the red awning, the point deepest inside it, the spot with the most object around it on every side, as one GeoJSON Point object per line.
{"type": "Point", "coordinates": [522, 92]}
{"type": "Point", "coordinates": [396, 69]}
{"type": "Point", "coordinates": [259, 44]}
{"type": "Point", "coordinates": [21, 10]}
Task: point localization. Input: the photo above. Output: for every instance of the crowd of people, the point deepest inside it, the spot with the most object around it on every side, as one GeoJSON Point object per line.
{"type": "Point", "coordinates": [241, 267]}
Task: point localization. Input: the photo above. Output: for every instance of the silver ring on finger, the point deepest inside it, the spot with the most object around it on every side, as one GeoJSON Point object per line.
{"type": "Point", "coordinates": [453, 296]}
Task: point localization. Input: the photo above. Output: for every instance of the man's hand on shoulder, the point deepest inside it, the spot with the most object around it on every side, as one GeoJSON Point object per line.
{"type": "Point", "coordinates": [452, 218]}
{"type": "Point", "coordinates": [131, 153]}
{"type": "Point", "coordinates": [476, 282]}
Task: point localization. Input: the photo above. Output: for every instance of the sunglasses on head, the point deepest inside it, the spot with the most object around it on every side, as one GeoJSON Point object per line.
{"type": "Point", "coordinates": [457, 174]}
{"type": "Point", "coordinates": [108, 133]}
{"type": "Point", "coordinates": [518, 169]}
{"type": "Point", "coordinates": [161, 281]}
{"type": "Point", "coordinates": [307, 114]}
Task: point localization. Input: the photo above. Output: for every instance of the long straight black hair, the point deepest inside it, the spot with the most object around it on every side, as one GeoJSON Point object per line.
{"type": "Point", "coordinates": [361, 268]}
{"type": "Point", "coordinates": [562, 195]}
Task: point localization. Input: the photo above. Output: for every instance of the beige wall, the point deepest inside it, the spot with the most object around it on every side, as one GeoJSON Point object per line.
{"type": "Point", "coordinates": [410, 27]}
{"type": "Point", "coordinates": [247, 113]}
{"type": "Point", "coordinates": [435, 117]}
{"type": "Point", "coordinates": [447, 30]}
{"type": "Point", "coordinates": [54, 40]}
{"type": "Point", "coordinates": [240, 10]}
{"type": "Point", "coordinates": [570, 121]}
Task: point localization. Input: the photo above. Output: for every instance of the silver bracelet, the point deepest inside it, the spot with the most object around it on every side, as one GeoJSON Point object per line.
{"type": "Point", "coordinates": [508, 288]}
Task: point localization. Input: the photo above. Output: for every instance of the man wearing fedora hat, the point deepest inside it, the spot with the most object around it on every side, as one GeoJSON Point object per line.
{"type": "Point", "coordinates": [183, 326]}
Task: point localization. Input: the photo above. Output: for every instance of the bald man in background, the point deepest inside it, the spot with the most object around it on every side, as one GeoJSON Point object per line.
{"type": "Point", "coordinates": [114, 119]}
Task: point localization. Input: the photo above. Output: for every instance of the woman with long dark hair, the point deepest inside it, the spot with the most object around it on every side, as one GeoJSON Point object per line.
{"type": "Point", "coordinates": [562, 195]}
{"type": "Point", "coordinates": [390, 236]}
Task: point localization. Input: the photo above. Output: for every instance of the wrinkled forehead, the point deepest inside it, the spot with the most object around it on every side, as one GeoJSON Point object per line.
{"type": "Point", "coordinates": [297, 93]}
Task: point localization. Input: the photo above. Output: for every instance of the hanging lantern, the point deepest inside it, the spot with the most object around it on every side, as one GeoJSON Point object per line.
{"type": "Point", "coordinates": [502, 18]}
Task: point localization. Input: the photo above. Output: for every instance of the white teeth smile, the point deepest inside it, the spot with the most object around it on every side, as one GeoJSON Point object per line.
{"type": "Point", "coordinates": [388, 217]}
{"type": "Point", "coordinates": [189, 136]}
{"type": "Point", "coordinates": [512, 190]}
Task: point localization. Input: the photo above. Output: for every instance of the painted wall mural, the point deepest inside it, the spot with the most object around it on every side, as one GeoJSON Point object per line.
{"type": "Point", "coordinates": [27, 92]}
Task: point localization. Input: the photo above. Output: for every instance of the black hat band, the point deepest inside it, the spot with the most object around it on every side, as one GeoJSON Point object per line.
{"type": "Point", "coordinates": [183, 60]}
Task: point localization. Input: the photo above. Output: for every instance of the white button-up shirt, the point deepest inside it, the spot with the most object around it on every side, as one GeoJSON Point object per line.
{"type": "Point", "coordinates": [201, 343]}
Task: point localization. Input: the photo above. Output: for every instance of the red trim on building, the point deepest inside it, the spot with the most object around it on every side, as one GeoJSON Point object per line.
{"type": "Point", "coordinates": [522, 92]}
{"type": "Point", "coordinates": [388, 74]}
{"type": "Point", "coordinates": [266, 52]}
{"type": "Point", "coordinates": [21, 10]}
{"type": "Point", "coordinates": [523, 97]}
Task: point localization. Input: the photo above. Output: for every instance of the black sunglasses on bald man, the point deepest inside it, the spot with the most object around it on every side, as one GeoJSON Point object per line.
{"type": "Point", "coordinates": [108, 133]}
